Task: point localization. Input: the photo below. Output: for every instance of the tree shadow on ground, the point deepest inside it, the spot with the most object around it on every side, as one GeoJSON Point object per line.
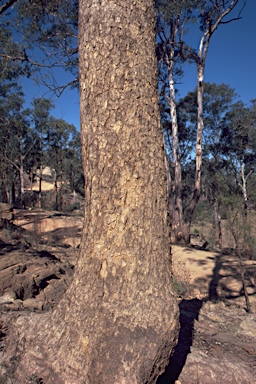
{"type": "Point", "coordinates": [54, 228]}
{"type": "Point", "coordinates": [57, 236]}
{"type": "Point", "coordinates": [226, 270]}
{"type": "Point", "coordinates": [189, 312]}
{"type": "Point", "coordinates": [224, 282]}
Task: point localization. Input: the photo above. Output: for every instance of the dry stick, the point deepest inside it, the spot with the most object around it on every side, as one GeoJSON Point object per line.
{"type": "Point", "coordinates": [242, 272]}
{"type": "Point", "coordinates": [241, 264]}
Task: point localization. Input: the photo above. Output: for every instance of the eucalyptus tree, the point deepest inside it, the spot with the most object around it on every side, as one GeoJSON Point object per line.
{"type": "Point", "coordinates": [40, 119]}
{"type": "Point", "coordinates": [228, 147]}
{"type": "Point", "coordinates": [172, 21]}
{"type": "Point", "coordinates": [13, 152]}
{"type": "Point", "coordinates": [74, 170]}
{"type": "Point", "coordinates": [117, 322]}
{"type": "Point", "coordinates": [10, 97]}
{"type": "Point", "coordinates": [211, 15]}
{"type": "Point", "coordinates": [219, 104]}
{"type": "Point", "coordinates": [239, 146]}
{"type": "Point", "coordinates": [175, 17]}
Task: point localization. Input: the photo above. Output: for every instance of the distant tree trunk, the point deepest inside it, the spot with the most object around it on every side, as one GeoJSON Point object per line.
{"type": "Point", "coordinates": [117, 323]}
{"type": "Point", "coordinates": [189, 210]}
{"type": "Point", "coordinates": [22, 187]}
{"type": "Point", "coordinates": [12, 193]}
{"type": "Point", "coordinates": [60, 200]}
{"type": "Point", "coordinates": [31, 179]}
{"type": "Point", "coordinates": [5, 198]}
{"type": "Point", "coordinates": [40, 186]}
{"type": "Point", "coordinates": [176, 206]}
{"type": "Point", "coordinates": [56, 194]}
{"type": "Point", "coordinates": [243, 280]}
{"type": "Point", "coordinates": [218, 223]}
{"type": "Point", "coordinates": [243, 185]}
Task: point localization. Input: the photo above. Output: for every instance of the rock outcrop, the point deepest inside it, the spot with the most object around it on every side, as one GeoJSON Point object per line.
{"type": "Point", "coordinates": [32, 279]}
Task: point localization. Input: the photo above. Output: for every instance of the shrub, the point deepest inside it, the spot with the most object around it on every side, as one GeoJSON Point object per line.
{"type": "Point", "coordinates": [34, 379]}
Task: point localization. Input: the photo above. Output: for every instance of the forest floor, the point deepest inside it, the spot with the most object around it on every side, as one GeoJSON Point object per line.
{"type": "Point", "coordinates": [217, 340]}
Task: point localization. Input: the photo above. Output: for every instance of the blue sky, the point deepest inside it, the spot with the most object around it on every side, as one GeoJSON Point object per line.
{"type": "Point", "coordinates": [231, 60]}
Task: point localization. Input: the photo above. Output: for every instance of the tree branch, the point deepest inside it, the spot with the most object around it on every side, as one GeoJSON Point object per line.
{"type": "Point", "coordinates": [7, 5]}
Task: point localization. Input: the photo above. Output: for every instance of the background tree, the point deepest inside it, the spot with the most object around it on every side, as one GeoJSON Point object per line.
{"type": "Point", "coordinates": [10, 106]}
{"type": "Point", "coordinates": [14, 128]}
{"type": "Point", "coordinates": [173, 18]}
{"type": "Point", "coordinates": [176, 16]}
{"type": "Point", "coordinates": [218, 101]}
{"type": "Point", "coordinates": [227, 146]}
{"type": "Point", "coordinates": [239, 147]}
{"type": "Point", "coordinates": [59, 136]}
{"type": "Point", "coordinates": [74, 170]}
{"type": "Point", "coordinates": [32, 139]}
{"type": "Point", "coordinates": [40, 115]}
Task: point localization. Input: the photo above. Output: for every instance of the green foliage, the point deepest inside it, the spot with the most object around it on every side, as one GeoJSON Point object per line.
{"type": "Point", "coordinates": [180, 287]}
{"type": "Point", "coordinates": [75, 206]}
{"type": "Point", "coordinates": [228, 147]}
{"type": "Point", "coordinates": [31, 140]}
{"type": "Point", "coordinates": [169, 10]}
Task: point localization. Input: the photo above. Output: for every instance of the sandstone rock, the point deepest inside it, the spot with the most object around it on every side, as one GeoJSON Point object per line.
{"type": "Point", "coordinates": [248, 326]}
{"type": "Point", "coordinates": [7, 297]}
{"type": "Point", "coordinates": [200, 368]}
{"type": "Point", "coordinates": [28, 273]}
{"type": "Point", "coordinates": [33, 304]}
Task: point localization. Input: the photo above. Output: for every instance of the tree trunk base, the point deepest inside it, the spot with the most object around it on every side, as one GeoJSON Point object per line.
{"type": "Point", "coordinates": [121, 354]}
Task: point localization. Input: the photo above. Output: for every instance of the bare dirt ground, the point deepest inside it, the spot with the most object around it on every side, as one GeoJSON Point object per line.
{"type": "Point", "coordinates": [217, 340]}
{"type": "Point", "coordinates": [213, 275]}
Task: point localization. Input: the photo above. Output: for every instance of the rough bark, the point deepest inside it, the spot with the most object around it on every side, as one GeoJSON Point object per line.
{"type": "Point", "coordinates": [117, 323]}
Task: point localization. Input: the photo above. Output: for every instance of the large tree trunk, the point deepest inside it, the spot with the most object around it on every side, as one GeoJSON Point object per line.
{"type": "Point", "coordinates": [117, 323]}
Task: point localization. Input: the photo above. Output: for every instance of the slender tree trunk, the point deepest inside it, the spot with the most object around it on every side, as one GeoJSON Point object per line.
{"type": "Point", "coordinates": [22, 188]}
{"type": "Point", "coordinates": [61, 187]}
{"type": "Point", "coordinates": [243, 279]}
{"type": "Point", "coordinates": [56, 194]}
{"type": "Point", "coordinates": [244, 188]}
{"type": "Point", "coordinates": [176, 206]}
{"type": "Point", "coordinates": [218, 224]}
{"type": "Point", "coordinates": [12, 193]}
{"type": "Point", "coordinates": [222, 9]}
{"type": "Point", "coordinates": [40, 186]}
{"type": "Point", "coordinates": [5, 198]}
{"type": "Point", "coordinates": [188, 212]}
{"type": "Point", "coordinates": [31, 188]}
{"type": "Point", "coordinates": [200, 128]}
{"type": "Point", "coordinates": [117, 323]}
